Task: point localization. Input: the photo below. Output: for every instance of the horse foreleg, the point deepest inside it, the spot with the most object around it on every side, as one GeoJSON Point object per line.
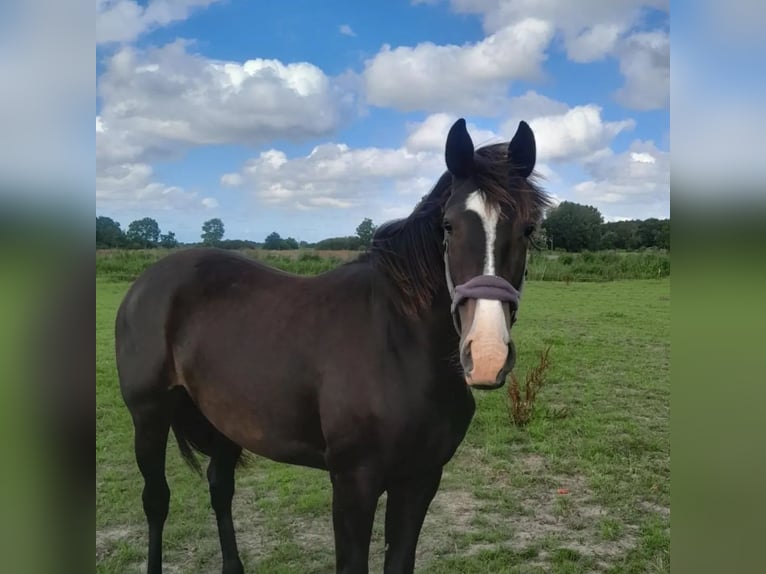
{"type": "Point", "coordinates": [406, 508]}
{"type": "Point", "coordinates": [355, 497]}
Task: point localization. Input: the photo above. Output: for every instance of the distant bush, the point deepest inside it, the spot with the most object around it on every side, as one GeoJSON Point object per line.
{"type": "Point", "coordinates": [598, 265]}
{"type": "Point", "coordinates": [305, 264]}
{"type": "Point", "coordinates": [340, 243]}
{"type": "Point", "coordinates": [237, 244]}
{"type": "Point", "coordinates": [127, 265]}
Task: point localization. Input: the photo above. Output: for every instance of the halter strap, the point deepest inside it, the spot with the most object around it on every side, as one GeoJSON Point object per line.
{"type": "Point", "coordinates": [485, 287]}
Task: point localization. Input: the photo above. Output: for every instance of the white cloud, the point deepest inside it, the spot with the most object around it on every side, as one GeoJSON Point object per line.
{"type": "Point", "coordinates": [346, 30]}
{"type": "Point", "coordinates": [209, 202]}
{"type": "Point", "coordinates": [594, 43]}
{"type": "Point", "coordinates": [577, 134]}
{"type": "Point", "coordinates": [369, 180]}
{"type": "Point", "coordinates": [126, 20]}
{"type": "Point", "coordinates": [431, 134]}
{"type": "Point", "coordinates": [415, 186]}
{"type": "Point", "coordinates": [642, 157]}
{"type": "Point", "coordinates": [589, 28]}
{"type": "Point", "coordinates": [534, 105]}
{"type": "Point", "coordinates": [323, 201]}
{"type": "Point", "coordinates": [126, 186]}
{"type": "Point", "coordinates": [472, 78]}
{"type": "Point", "coordinates": [635, 183]}
{"type": "Point", "coordinates": [169, 98]}
{"type": "Point", "coordinates": [160, 102]}
{"type": "Point", "coordinates": [645, 64]}
{"type": "Point", "coordinates": [232, 179]}
{"type": "Point", "coordinates": [336, 176]}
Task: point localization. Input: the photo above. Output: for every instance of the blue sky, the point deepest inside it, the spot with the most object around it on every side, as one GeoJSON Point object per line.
{"type": "Point", "coordinates": [305, 117]}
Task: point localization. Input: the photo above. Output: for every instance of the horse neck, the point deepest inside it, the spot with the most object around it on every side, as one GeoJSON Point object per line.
{"type": "Point", "coordinates": [411, 259]}
{"type": "Point", "coordinates": [434, 320]}
{"type": "Point", "coordinates": [439, 322]}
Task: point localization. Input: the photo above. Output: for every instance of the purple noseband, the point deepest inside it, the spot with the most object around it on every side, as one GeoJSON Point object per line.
{"type": "Point", "coordinates": [485, 287]}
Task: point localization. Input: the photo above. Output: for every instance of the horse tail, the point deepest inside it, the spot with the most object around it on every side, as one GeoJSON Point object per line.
{"type": "Point", "coordinates": [188, 427]}
{"type": "Point", "coordinates": [194, 432]}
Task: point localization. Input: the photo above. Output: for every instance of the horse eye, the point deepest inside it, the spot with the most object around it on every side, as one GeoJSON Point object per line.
{"type": "Point", "coordinates": [447, 226]}
{"type": "Point", "coordinates": [530, 229]}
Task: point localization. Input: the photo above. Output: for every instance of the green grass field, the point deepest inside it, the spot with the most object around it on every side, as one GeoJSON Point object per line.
{"type": "Point", "coordinates": [584, 488]}
{"type": "Point", "coordinates": [126, 265]}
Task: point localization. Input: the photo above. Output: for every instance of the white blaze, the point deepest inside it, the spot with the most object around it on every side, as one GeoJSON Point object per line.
{"type": "Point", "coordinates": [488, 318]}
{"type": "Point", "coordinates": [489, 215]}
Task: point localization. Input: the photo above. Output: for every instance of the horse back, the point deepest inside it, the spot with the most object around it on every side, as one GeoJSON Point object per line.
{"type": "Point", "coordinates": [152, 312]}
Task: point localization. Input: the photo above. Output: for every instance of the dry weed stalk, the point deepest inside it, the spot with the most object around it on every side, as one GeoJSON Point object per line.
{"type": "Point", "coordinates": [520, 408]}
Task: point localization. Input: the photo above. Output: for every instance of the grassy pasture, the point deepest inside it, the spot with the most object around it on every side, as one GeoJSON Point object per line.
{"type": "Point", "coordinates": [126, 265]}
{"type": "Point", "coordinates": [585, 487]}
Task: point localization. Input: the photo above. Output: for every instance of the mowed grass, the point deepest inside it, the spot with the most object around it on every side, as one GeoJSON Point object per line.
{"type": "Point", "coordinates": [585, 487]}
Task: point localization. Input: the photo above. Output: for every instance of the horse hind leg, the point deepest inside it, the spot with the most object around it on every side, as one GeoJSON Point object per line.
{"type": "Point", "coordinates": [220, 475]}
{"type": "Point", "coordinates": [151, 421]}
{"type": "Point", "coordinates": [194, 432]}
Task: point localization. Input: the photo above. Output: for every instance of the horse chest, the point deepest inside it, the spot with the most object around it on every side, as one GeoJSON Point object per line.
{"type": "Point", "coordinates": [431, 434]}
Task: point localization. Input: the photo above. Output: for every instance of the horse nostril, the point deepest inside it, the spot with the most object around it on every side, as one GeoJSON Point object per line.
{"type": "Point", "coordinates": [466, 359]}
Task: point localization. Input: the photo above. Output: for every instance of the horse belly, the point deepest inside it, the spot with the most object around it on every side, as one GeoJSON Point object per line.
{"type": "Point", "coordinates": [265, 423]}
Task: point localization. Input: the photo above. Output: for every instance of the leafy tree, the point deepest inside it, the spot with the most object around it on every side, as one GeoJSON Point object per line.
{"type": "Point", "coordinates": [654, 232]}
{"type": "Point", "coordinates": [365, 231]}
{"type": "Point", "coordinates": [108, 233]}
{"type": "Point", "coordinates": [663, 234]}
{"type": "Point", "coordinates": [620, 235]}
{"type": "Point", "coordinates": [610, 240]}
{"type": "Point", "coordinates": [143, 233]}
{"type": "Point", "coordinates": [212, 231]}
{"type": "Point", "coordinates": [273, 241]}
{"type": "Point", "coordinates": [168, 240]}
{"type": "Point", "coordinates": [574, 227]}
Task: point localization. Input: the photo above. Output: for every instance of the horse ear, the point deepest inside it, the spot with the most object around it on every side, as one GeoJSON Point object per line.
{"type": "Point", "coordinates": [522, 150]}
{"type": "Point", "coordinates": [459, 150]}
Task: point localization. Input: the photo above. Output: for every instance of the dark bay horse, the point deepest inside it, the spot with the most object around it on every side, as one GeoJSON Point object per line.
{"type": "Point", "coordinates": [364, 371]}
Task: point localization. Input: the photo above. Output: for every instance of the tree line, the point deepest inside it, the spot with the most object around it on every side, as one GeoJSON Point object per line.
{"type": "Point", "coordinates": [568, 226]}
{"type": "Point", "coordinates": [574, 227]}
{"type": "Point", "coordinates": [145, 233]}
